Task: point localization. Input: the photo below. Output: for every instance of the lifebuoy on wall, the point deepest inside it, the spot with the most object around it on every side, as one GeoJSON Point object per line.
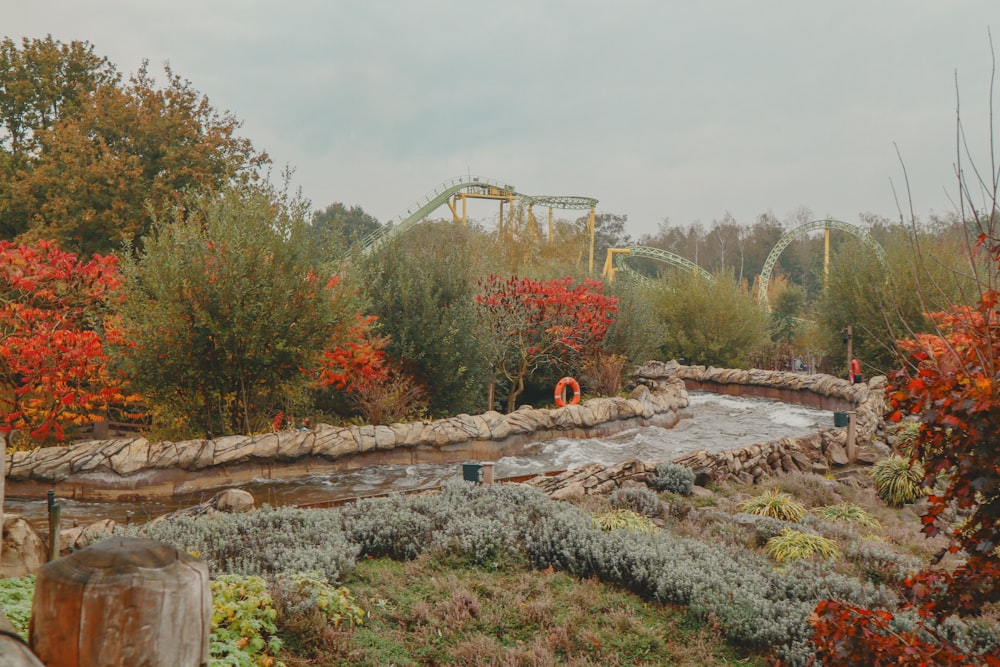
{"type": "Point", "coordinates": [561, 392]}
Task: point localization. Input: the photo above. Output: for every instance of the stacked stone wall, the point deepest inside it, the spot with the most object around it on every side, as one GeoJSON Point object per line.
{"type": "Point", "coordinates": [137, 468]}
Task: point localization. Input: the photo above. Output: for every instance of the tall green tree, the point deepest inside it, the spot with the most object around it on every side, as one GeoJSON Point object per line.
{"type": "Point", "coordinates": [89, 158]}
{"type": "Point", "coordinates": [227, 316]}
{"type": "Point", "coordinates": [422, 287]}
{"type": "Point", "coordinates": [710, 322]}
{"type": "Point", "coordinates": [885, 304]}
{"type": "Point", "coordinates": [786, 314]}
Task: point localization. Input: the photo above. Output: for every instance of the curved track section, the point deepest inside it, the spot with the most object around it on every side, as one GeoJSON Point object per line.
{"type": "Point", "coordinates": [784, 241]}
{"type": "Point", "coordinates": [424, 207]}
{"type": "Point", "coordinates": [658, 255]}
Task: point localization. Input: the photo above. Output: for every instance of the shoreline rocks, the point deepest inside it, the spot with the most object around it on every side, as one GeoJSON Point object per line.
{"type": "Point", "coordinates": [138, 468]}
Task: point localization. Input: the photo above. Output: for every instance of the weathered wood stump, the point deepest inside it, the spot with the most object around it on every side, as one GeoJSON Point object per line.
{"type": "Point", "coordinates": [122, 602]}
{"type": "Point", "coordinates": [13, 651]}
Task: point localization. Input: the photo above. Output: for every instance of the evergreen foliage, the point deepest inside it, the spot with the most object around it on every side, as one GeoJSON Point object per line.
{"type": "Point", "coordinates": [673, 478]}
{"type": "Point", "coordinates": [226, 314]}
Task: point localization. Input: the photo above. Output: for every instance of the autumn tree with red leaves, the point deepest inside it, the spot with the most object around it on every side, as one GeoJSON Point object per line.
{"type": "Point", "coordinates": [54, 326]}
{"type": "Point", "coordinates": [950, 381]}
{"type": "Point", "coordinates": [530, 324]}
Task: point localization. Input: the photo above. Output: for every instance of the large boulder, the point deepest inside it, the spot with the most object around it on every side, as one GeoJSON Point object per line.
{"type": "Point", "coordinates": [227, 501]}
{"type": "Point", "coordinates": [24, 550]}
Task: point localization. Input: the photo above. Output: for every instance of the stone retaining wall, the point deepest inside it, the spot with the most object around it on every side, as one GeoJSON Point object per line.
{"type": "Point", "coordinates": [816, 452]}
{"type": "Point", "coordinates": [137, 468]}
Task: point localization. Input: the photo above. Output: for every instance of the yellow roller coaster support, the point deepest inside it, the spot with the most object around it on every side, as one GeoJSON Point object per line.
{"type": "Point", "coordinates": [609, 263]}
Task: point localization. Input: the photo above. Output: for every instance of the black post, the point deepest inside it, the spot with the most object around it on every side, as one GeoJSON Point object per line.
{"type": "Point", "coordinates": [55, 512]}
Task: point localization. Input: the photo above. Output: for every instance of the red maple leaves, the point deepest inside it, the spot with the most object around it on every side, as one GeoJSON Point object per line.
{"type": "Point", "coordinates": [531, 323]}
{"type": "Point", "coordinates": [54, 323]}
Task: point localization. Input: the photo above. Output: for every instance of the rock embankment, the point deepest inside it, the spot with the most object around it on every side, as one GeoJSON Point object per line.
{"type": "Point", "coordinates": [137, 467]}
{"type": "Point", "coordinates": [816, 453]}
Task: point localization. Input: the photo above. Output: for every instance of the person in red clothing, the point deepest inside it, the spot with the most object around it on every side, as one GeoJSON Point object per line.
{"type": "Point", "coordinates": [855, 374]}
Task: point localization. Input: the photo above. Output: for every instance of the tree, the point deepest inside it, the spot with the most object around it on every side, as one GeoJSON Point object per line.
{"type": "Point", "coordinates": [786, 314]}
{"type": "Point", "coordinates": [883, 304]}
{"type": "Point", "coordinates": [231, 319]}
{"type": "Point", "coordinates": [43, 81]}
{"type": "Point", "coordinates": [54, 326]}
{"type": "Point", "coordinates": [338, 226]}
{"type": "Point", "coordinates": [527, 325]}
{"type": "Point", "coordinates": [422, 287]}
{"type": "Point", "coordinates": [89, 156]}
{"type": "Point", "coordinates": [707, 321]}
{"type": "Point", "coordinates": [609, 232]}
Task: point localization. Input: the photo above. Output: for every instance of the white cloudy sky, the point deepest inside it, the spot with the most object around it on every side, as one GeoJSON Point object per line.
{"type": "Point", "coordinates": [686, 110]}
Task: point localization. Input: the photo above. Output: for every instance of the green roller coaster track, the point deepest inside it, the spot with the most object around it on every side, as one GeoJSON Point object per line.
{"type": "Point", "coordinates": [443, 192]}
{"type": "Point", "coordinates": [657, 254]}
{"type": "Point", "coordinates": [622, 255]}
{"type": "Point", "coordinates": [424, 207]}
{"type": "Point", "coordinates": [784, 241]}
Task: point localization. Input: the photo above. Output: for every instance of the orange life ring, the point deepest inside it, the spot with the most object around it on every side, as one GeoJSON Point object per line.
{"type": "Point", "coordinates": [561, 392]}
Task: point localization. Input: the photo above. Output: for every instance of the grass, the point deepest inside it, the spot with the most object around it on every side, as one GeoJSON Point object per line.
{"type": "Point", "coordinates": [433, 611]}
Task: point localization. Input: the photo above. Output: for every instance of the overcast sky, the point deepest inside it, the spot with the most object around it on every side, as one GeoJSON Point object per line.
{"type": "Point", "coordinates": [660, 109]}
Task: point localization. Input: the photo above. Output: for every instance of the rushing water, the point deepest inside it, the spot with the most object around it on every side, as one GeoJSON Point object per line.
{"type": "Point", "coordinates": [716, 423]}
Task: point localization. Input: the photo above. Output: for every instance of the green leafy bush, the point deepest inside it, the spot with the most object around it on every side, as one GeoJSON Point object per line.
{"type": "Point", "coordinates": [793, 544]}
{"type": "Point", "coordinates": [312, 610]}
{"type": "Point", "coordinates": [673, 478]}
{"type": "Point", "coordinates": [897, 480]}
{"type": "Point", "coordinates": [243, 629]}
{"type": "Point", "coordinates": [774, 504]}
{"type": "Point", "coordinates": [15, 601]}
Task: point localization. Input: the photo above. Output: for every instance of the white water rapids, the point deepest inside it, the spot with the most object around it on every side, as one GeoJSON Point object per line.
{"type": "Point", "coordinates": [716, 423]}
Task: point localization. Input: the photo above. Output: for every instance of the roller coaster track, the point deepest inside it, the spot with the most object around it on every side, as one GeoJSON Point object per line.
{"type": "Point", "coordinates": [424, 207]}
{"type": "Point", "coordinates": [443, 192]}
{"type": "Point", "coordinates": [622, 254]}
{"type": "Point", "coordinates": [791, 235]}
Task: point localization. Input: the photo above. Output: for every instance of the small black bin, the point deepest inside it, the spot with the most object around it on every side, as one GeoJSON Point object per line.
{"type": "Point", "coordinates": [472, 472]}
{"type": "Point", "coordinates": [841, 419]}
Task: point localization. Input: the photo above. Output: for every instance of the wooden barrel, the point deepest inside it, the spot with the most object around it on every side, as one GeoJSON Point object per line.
{"type": "Point", "coordinates": [123, 601]}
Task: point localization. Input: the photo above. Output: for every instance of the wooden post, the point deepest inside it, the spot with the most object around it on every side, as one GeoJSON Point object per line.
{"type": "Point", "coordinates": [122, 601]}
{"type": "Point", "coordinates": [852, 449]}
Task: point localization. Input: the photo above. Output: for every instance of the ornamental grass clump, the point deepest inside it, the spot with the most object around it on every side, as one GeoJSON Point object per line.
{"type": "Point", "coordinates": [775, 505]}
{"type": "Point", "coordinates": [311, 609]}
{"type": "Point", "coordinates": [898, 481]}
{"type": "Point", "coordinates": [793, 544]}
{"type": "Point", "coordinates": [624, 520]}
{"type": "Point", "coordinates": [848, 513]}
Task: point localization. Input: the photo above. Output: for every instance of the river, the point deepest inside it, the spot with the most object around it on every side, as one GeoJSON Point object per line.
{"type": "Point", "coordinates": [715, 423]}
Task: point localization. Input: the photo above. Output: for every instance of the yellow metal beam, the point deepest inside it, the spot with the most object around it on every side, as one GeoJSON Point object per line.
{"type": "Point", "coordinates": [590, 229]}
{"type": "Point", "coordinates": [609, 263]}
